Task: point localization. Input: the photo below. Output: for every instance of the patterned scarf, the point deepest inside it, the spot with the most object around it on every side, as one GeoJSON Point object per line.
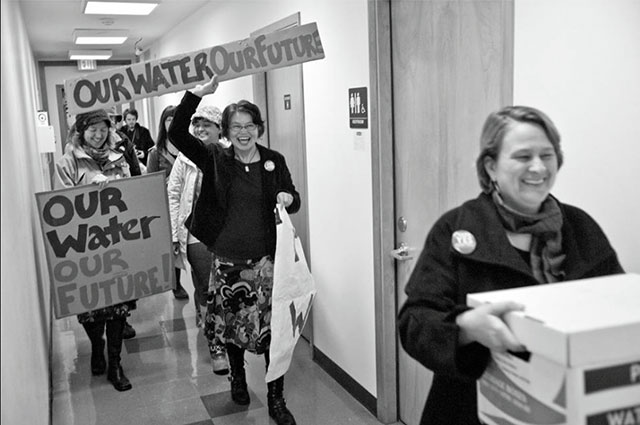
{"type": "Point", "coordinates": [99, 155]}
{"type": "Point", "coordinates": [547, 259]}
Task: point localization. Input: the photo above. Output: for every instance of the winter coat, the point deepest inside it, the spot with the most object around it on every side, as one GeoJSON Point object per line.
{"type": "Point", "coordinates": [141, 138]}
{"type": "Point", "coordinates": [122, 145]}
{"type": "Point", "coordinates": [216, 163]}
{"type": "Point", "coordinates": [160, 160]}
{"type": "Point", "coordinates": [76, 168]}
{"type": "Point", "coordinates": [181, 191]}
{"type": "Point", "coordinates": [443, 277]}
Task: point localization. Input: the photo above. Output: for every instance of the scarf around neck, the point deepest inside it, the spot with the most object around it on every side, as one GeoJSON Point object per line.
{"type": "Point", "coordinates": [547, 258]}
{"type": "Point", "coordinates": [99, 155]}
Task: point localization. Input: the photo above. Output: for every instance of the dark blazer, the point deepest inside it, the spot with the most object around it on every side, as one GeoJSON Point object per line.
{"type": "Point", "coordinates": [128, 150]}
{"type": "Point", "coordinates": [208, 217]}
{"type": "Point", "coordinates": [141, 138]}
{"type": "Point", "coordinates": [443, 277]}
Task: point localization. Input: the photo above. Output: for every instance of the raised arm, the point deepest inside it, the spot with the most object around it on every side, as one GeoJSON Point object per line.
{"type": "Point", "coordinates": [191, 146]}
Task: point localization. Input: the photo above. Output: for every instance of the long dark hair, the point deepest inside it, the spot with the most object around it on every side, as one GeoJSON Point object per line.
{"type": "Point", "coordinates": [161, 142]}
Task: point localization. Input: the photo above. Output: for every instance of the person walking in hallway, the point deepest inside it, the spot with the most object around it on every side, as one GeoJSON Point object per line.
{"type": "Point", "coordinates": [514, 234]}
{"type": "Point", "coordinates": [183, 189]}
{"type": "Point", "coordinates": [138, 135]}
{"type": "Point", "coordinates": [161, 158]}
{"type": "Point", "coordinates": [93, 159]}
{"type": "Point", "coordinates": [234, 216]}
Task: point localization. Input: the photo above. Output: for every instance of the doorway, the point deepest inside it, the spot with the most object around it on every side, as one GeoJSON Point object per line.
{"type": "Point", "coordinates": [279, 94]}
{"type": "Point", "coordinates": [450, 65]}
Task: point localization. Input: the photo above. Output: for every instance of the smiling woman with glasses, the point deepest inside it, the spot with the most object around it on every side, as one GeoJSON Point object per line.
{"type": "Point", "coordinates": [234, 217]}
{"type": "Point", "coordinates": [236, 128]}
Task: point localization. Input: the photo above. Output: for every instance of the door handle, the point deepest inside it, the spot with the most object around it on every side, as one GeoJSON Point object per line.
{"type": "Point", "coordinates": [403, 253]}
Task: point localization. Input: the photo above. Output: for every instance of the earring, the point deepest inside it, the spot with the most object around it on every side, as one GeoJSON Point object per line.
{"type": "Point", "coordinates": [495, 186]}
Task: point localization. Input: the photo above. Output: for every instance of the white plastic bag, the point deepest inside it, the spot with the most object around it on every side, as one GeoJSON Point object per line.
{"type": "Point", "coordinates": [293, 294]}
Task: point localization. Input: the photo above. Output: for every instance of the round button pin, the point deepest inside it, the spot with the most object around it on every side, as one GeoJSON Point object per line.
{"type": "Point", "coordinates": [463, 241]}
{"type": "Point", "coordinates": [269, 166]}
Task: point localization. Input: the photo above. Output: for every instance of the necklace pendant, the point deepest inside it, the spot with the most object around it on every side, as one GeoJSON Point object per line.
{"type": "Point", "coordinates": [246, 168]}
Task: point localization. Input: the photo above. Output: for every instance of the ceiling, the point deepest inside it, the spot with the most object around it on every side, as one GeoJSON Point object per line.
{"type": "Point", "coordinates": [50, 25]}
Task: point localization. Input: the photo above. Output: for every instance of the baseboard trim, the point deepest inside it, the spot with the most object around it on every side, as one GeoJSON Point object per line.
{"type": "Point", "coordinates": [347, 382]}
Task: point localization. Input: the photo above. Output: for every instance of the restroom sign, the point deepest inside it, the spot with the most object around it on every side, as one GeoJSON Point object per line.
{"type": "Point", "coordinates": [358, 108]}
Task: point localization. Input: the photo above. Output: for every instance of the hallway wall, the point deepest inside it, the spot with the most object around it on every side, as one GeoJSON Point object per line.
{"type": "Point", "coordinates": [339, 168]}
{"type": "Point", "coordinates": [25, 307]}
{"type": "Point", "coordinates": [582, 67]}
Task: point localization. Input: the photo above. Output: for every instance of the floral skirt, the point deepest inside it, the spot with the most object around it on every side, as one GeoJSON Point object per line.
{"type": "Point", "coordinates": [239, 303]}
{"type": "Point", "coordinates": [108, 313]}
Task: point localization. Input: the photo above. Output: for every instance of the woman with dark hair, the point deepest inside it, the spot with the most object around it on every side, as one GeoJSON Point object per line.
{"type": "Point", "coordinates": [514, 234]}
{"type": "Point", "coordinates": [93, 159]}
{"type": "Point", "coordinates": [161, 158]}
{"type": "Point", "coordinates": [234, 217]}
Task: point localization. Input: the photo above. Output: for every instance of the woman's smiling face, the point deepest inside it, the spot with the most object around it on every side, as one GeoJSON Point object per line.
{"type": "Point", "coordinates": [96, 134]}
{"type": "Point", "coordinates": [243, 132]}
{"type": "Point", "coordinates": [205, 130]}
{"type": "Point", "coordinates": [525, 169]}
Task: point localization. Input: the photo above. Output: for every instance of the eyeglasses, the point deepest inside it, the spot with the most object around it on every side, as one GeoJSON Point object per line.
{"type": "Point", "coordinates": [236, 128]}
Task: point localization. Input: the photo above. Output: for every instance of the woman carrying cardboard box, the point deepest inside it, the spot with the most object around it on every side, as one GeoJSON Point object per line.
{"type": "Point", "coordinates": [515, 233]}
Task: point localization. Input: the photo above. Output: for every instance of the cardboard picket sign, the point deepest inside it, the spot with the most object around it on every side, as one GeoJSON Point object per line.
{"type": "Point", "coordinates": [253, 55]}
{"type": "Point", "coordinates": [293, 292]}
{"type": "Point", "coordinates": [104, 247]}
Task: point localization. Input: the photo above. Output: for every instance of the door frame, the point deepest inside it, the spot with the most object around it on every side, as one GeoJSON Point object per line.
{"type": "Point", "coordinates": [381, 110]}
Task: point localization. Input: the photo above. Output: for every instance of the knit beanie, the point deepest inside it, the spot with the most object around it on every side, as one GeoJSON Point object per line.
{"type": "Point", "coordinates": [84, 120]}
{"type": "Point", "coordinates": [209, 113]}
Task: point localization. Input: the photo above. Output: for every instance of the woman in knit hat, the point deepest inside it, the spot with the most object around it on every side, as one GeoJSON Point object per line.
{"type": "Point", "coordinates": [93, 159]}
{"type": "Point", "coordinates": [183, 190]}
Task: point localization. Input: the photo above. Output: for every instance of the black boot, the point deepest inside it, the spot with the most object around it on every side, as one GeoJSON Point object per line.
{"type": "Point", "coordinates": [128, 332]}
{"type": "Point", "coordinates": [179, 293]}
{"type": "Point", "coordinates": [239, 392]}
{"type": "Point", "coordinates": [95, 330]}
{"type": "Point", "coordinates": [114, 346]}
{"type": "Point", "coordinates": [277, 406]}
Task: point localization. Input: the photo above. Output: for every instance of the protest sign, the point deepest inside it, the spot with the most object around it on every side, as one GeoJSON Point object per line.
{"type": "Point", "coordinates": [107, 246]}
{"type": "Point", "coordinates": [180, 72]}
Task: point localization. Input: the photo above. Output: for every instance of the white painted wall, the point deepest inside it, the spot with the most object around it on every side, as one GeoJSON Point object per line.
{"type": "Point", "coordinates": [339, 174]}
{"type": "Point", "coordinates": [24, 298]}
{"type": "Point", "coordinates": [579, 61]}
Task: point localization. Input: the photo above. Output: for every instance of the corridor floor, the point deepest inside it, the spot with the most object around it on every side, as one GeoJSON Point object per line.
{"type": "Point", "coordinates": [169, 367]}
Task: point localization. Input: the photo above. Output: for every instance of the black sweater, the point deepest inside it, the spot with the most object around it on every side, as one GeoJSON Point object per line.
{"type": "Point", "coordinates": [210, 212]}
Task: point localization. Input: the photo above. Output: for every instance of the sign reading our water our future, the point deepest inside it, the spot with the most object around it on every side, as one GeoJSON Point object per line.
{"type": "Point", "coordinates": [232, 60]}
{"type": "Point", "coordinates": [107, 246]}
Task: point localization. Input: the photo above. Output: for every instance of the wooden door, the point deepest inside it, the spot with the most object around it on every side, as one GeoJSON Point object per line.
{"type": "Point", "coordinates": [451, 66]}
{"type": "Point", "coordinates": [279, 93]}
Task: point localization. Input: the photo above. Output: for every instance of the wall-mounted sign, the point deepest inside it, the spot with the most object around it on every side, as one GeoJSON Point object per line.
{"type": "Point", "coordinates": [103, 89]}
{"type": "Point", "coordinates": [358, 108]}
{"type": "Point", "coordinates": [287, 102]}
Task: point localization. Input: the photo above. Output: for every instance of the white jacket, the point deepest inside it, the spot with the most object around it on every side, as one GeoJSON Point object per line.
{"type": "Point", "coordinates": [181, 191]}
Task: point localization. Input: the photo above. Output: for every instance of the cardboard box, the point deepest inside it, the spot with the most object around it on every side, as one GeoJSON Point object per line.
{"type": "Point", "coordinates": [583, 364]}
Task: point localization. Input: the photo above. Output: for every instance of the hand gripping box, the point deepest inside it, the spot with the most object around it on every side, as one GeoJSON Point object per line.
{"type": "Point", "coordinates": [583, 361]}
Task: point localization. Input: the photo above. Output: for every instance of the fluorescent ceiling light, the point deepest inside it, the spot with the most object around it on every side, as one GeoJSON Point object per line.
{"type": "Point", "coordinates": [100, 36]}
{"type": "Point", "coordinates": [118, 8]}
{"type": "Point", "coordinates": [90, 54]}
